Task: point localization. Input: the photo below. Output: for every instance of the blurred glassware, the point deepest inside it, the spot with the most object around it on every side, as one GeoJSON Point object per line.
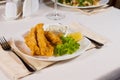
{"type": "Point", "coordinates": [30, 7]}
{"type": "Point", "coordinates": [10, 9]}
{"type": "Point", "coordinates": [55, 15]}
{"type": "Point", "coordinates": [13, 9]}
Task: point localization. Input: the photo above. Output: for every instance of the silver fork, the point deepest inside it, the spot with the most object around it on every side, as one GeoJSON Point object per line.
{"type": "Point", "coordinates": [6, 46]}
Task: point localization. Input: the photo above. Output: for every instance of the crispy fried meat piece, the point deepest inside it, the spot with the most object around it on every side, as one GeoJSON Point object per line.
{"type": "Point", "coordinates": [30, 40]}
{"type": "Point", "coordinates": [45, 47]}
{"type": "Point", "coordinates": [53, 38]}
{"type": "Point", "coordinates": [37, 42]}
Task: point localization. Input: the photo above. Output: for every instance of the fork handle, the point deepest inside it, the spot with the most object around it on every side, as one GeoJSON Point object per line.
{"type": "Point", "coordinates": [25, 62]}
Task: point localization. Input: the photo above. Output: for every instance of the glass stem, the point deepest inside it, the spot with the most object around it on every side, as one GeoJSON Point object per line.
{"type": "Point", "coordinates": [55, 7]}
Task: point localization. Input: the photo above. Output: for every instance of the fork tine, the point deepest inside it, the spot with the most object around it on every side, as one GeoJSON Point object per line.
{"type": "Point", "coordinates": [1, 42]}
{"type": "Point", "coordinates": [4, 43]}
{"type": "Point", "coordinates": [7, 44]}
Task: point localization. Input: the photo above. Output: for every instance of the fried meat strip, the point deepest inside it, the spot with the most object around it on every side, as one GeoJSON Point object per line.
{"type": "Point", "coordinates": [38, 43]}
{"type": "Point", "coordinates": [45, 47]}
{"type": "Point", "coordinates": [30, 40]}
{"type": "Point", "coordinates": [53, 38]}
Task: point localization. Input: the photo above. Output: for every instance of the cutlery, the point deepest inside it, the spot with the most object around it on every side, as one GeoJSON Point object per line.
{"type": "Point", "coordinates": [6, 46]}
{"type": "Point", "coordinates": [98, 45]}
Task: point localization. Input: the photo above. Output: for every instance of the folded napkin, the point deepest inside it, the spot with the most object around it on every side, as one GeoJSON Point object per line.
{"type": "Point", "coordinates": [11, 65]}
{"type": "Point", "coordinates": [95, 10]}
{"type": "Point", "coordinates": [14, 68]}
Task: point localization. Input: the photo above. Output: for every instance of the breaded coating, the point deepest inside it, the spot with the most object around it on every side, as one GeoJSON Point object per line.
{"type": "Point", "coordinates": [30, 40]}
{"type": "Point", "coordinates": [38, 43]}
{"type": "Point", "coordinates": [53, 38]}
{"type": "Point", "coordinates": [45, 47]}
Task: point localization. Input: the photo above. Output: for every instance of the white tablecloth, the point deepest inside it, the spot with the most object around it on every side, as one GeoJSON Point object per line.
{"type": "Point", "coordinates": [93, 64]}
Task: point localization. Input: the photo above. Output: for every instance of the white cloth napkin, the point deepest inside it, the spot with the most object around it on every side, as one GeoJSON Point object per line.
{"type": "Point", "coordinates": [10, 64]}
{"type": "Point", "coordinates": [91, 12]}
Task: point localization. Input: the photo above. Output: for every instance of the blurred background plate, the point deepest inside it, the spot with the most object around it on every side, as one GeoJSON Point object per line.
{"type": "Point", "coordinates": [101, 3]}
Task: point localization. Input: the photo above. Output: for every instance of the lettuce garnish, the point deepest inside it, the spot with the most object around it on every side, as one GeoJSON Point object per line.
{"type": "Point", "coordinates": [68, 46]}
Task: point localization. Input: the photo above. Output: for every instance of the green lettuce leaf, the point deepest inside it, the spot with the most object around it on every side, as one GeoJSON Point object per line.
{"type": "Point", "coordinates": [69, 46]}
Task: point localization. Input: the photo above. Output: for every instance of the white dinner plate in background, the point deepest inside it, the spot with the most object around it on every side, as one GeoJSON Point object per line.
{"type": "Point", "coordinates": [101, 3]}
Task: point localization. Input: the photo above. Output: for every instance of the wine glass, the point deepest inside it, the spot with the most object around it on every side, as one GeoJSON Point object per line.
{"type": "Point", "coordinates": [55, 15]}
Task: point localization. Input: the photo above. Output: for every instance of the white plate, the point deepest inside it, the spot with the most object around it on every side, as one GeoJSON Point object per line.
{"type": "Point", "coordinates": [23, 49]}
{"type": "Point", "coordinates": [101, 3]}
{"type": "Point", "coordinates": [21, 46]}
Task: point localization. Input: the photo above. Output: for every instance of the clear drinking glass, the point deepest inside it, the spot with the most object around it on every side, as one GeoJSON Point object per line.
{"type": "Point", "coordinates": [55, 15]}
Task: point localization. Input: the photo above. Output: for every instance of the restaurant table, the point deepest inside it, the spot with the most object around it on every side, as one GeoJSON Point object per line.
{"type": "Point", "coordinates": [91, 65]}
